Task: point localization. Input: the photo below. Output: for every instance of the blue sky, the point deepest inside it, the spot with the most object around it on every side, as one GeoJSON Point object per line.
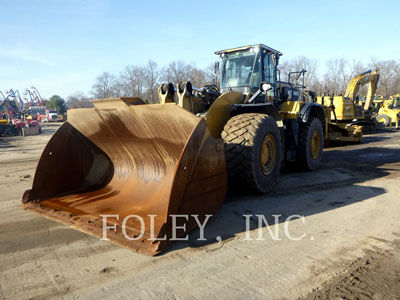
{"type": "Point", "coordinates": [61, 46]}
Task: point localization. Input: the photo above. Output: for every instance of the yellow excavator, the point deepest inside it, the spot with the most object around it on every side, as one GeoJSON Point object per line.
{"type": "Point", "coordinates": [349, 116]}
{"type": "Point", "coordinates": [127, 169]}
{"type": "Point", "coordinates": [388, 111]}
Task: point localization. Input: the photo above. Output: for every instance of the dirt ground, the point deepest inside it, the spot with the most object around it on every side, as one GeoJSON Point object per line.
{"type": "Point", "coordinates": [349, 248]}
{"type": "Point", "coordinates": [376, 275]}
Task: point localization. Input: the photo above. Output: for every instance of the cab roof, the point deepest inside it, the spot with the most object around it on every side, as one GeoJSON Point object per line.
{"type": "Point", "coordinates": [262, 46]}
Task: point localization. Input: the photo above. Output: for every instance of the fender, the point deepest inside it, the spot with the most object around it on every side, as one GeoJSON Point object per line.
{"type": "Point", "coordinates": [262, 108]}
{"type": "Point", "coordinates": [313, 109]}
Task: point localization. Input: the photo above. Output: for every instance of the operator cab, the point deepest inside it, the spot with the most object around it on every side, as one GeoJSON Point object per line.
{"type": "Point", "coordinates": [395, 103]}
{"type": "Point", "coordinates": [244, 68]}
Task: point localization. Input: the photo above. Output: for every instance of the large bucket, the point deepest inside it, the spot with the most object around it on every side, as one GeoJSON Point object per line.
{"type": "Point", "coordinates": [122, 172]}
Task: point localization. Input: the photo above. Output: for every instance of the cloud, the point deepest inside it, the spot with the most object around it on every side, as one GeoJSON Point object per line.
{"type": "Point", "coordinates": [26, 55]}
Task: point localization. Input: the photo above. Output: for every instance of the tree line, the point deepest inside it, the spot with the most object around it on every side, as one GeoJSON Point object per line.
{"type": "Point", "coordinates": [339, 71]}
{"type": "Point", "coordinates": [143, 80]}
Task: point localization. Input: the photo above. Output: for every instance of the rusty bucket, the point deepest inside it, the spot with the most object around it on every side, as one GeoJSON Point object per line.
{"type": "Point", "coordinates": [124, 169]}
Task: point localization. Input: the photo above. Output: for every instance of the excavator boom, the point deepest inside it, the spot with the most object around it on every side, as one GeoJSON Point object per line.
{"type": "Point", "coordinates": [353, 88]}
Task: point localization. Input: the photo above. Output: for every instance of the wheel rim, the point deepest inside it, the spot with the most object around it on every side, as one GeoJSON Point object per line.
{"type": "Point", "coordinates": [315, 144]}
{"type": "Point", "coordinates": [381, 120]}
{"type": "Point", "coordinates": [268, 154]}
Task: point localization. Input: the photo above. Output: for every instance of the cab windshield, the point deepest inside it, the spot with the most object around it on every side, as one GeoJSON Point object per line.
{"type": "Point", "coordinates": [241, 69]}
{"type": "Point", "coordinates": [396, 102]}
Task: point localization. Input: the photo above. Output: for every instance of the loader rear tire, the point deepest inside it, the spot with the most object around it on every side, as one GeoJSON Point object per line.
{"type": "Point", "coordinates": [310, 145]}
{"type": "Point", "coordinates": [253, 152]}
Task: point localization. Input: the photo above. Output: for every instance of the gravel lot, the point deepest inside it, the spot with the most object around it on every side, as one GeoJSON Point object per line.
{"type": "Point", "coordinates": [350, 248]}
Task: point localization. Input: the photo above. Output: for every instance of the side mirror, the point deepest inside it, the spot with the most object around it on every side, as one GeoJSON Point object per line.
{"type": "Point", "coordinates": [216, 67]}
{"type": "Point", "coordinates": [285, 94]}
{"type": "Point", "coordinates": [265, 87]}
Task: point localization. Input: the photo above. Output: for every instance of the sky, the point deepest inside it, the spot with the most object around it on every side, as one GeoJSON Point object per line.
{"type": "Point", "coordinates": [61, 46]}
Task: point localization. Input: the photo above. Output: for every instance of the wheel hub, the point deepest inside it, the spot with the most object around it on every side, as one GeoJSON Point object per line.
{"type": "Point", "coordinates": [315, 144]}
{"type": "Point", "coordinates": [381, 120]}
{"type": "Point", "coordinates": [268, 154]}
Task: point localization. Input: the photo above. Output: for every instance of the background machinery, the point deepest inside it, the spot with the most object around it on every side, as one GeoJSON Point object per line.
{"type": "Point", "coordinates": [13, 114]}
{"type": "Point", "coordinates": [35, 98]}
{"type": "Point", "coordinates": [125, 158]}
{"type": "Point", "coordinates": [388, 111]}
{"type": "Point", "coordinates": [349, 116]}
{"type": "Point", "coordinates": [10, 110]}
{"type": "Point", "coordinates": [36, 109]}
{"type": "Point", "coordinates": [5, 127]}
{"type": "Point", "coordinates": [15, 96]}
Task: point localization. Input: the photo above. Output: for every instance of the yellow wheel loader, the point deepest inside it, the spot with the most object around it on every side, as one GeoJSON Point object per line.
{"type": "Point", "coordinates": [389, 111]}
{"type": "Point", "coordinates": [349, 116]}
{"type": "Point", "coordinates": [143, 175]}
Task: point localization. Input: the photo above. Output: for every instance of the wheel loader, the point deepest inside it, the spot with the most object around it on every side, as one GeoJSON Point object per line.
{"type": "Point", "coordinates": [349, 116]}
{"type": "Point", "coordinates": [388, 111]}
{"type": "Point", "coordinates": [134, 173]}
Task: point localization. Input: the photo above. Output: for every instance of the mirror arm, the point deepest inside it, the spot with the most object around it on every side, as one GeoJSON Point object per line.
{"type": "Point", "coordinates": [254, 96]}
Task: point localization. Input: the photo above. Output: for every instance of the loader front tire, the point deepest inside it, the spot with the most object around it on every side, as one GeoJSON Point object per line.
{"type": "Point", "coordinates": [253, 152]}
{"type": "Point", "coordinates": [310, 145]}
{"type": "Point", "coordinates": [383, 119]}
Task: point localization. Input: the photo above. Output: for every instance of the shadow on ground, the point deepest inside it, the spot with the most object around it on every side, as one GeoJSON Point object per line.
{"type": "Point", "coordinates": [335, 185]}
{"type": "Point", "coordinates": [5, 143]}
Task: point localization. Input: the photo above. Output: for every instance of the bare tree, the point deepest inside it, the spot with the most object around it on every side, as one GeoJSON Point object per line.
{"type": "Point", "coordinates": [78, 100]}
{"type": "Point", "coordinates": [178, 71]}
{"type": "Point", "coordinates": [197, 76]}
{"type": "Point", "coordinates": [133, 81]}
{"type": "Point", "coordinates": [389, 78]}
{"type": "Point", "coordinates": [336, 77]}
{"type": "Point", "coordinates": [356, 67]}
{"type": "Point", "coordinates": [106, 86]}
{"type": "Point", "coordinates": [140, 81]}
{"type": "Point", "coordinates": [212, 75]}
{"type": "Point", "coordinates": [299, 63]}
{"type": "Point", "coordinates": [175, 72]}
{"type": "Point", "coordinates": [152, 81]}
{"type": "Point", "coordinates": [143, 80]}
